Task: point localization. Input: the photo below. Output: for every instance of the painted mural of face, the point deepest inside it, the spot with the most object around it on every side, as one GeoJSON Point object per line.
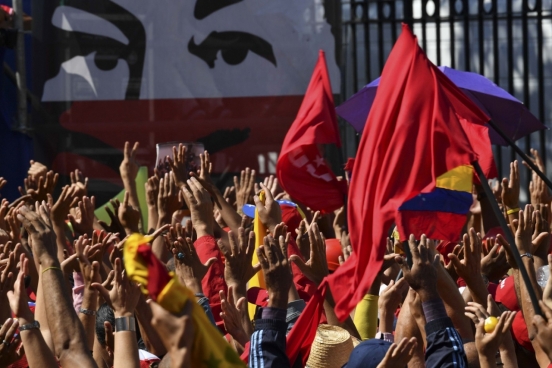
{"type": "Point", "coordinates": [138, 49]}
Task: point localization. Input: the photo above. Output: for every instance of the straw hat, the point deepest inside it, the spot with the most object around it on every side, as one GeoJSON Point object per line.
{"type": "Point", "coordinates": [331, 347]}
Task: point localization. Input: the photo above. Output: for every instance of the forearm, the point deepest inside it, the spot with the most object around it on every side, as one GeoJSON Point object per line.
{"type": "Point", "coordinates": [39, 354]}
{"type": "Point", "coordinates": [526, 304]}
{"type": "Point", "coordinates": [153, 218]}
{"type": "Point", "coordinates": [241, 292]}
{"type": "Point", "coordinates": [61, 239]}
{"type": "Point", "coordinates": [508, 352]}
{"type": "Point", "coordinates": [148, 333]}
{"type": "Point", "coordinates": [478, 292]}
{"type": "Point", "coordinates": [66, 329]}
{"type": "Point", "coordinates": [454, 303]}
{"type": "Point", "coordinates": [126, 350]}
{"type": "Point", "coordinates": [487, 360]}
{"type": "Point", "coordinates": [228, 213]}
{"type": "Point", "coordinates": [160, 250]}
{"type": "Point", "coordinates": [348, 324]}
{"type": "Point", "coordinates": [89, 303]}
{"type": "Point", "coordinates": [40, 315]}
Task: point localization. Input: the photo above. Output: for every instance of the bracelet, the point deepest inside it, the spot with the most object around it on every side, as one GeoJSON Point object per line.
{"type": "Point", "coordinates": [30, 326]}
{"type": "Point", "coordinates": [50, 268]}
{"type": "Point", "coordinates": [528, 255]}
{"type": "Point", "coordinates": [512, 211]}
{"type": "Point", "coordinates": [125, 324]}
{"type": "Point", "coordinates": [88, 312]}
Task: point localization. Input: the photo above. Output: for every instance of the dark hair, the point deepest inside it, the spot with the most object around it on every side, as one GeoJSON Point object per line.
{"type": "Point", "coordinates": [104, 313]}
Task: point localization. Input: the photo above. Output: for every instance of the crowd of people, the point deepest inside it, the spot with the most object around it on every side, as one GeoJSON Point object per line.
{"type": "Point", "coordinates": [67, 300]}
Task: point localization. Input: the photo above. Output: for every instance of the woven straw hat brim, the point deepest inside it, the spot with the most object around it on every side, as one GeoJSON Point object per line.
{"type": "Point", "coordinates": [331, 347]}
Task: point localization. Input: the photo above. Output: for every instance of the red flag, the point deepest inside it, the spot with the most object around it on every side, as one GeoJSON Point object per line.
{"type": "Point", "coordinates": [474, 121]}
{"type": "Point", "coordinates": [413, 137]}
{"type": "Point", "coordinates": [301, 168]}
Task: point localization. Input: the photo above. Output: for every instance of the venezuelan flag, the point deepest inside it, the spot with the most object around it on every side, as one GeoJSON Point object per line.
{"type": "Point", "coordinates": [441, 213]}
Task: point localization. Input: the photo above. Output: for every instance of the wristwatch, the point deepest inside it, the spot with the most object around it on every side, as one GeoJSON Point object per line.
{"type": "Point", "coordinates": [125, 324]}
{"type": "Point", "coordinates": [30, 326]}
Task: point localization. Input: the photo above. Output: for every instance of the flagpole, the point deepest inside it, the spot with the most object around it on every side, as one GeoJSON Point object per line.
{"type": "Point", "coordinates": [509, 237]}
{"type": "Point", "coordinates": [523, 155]}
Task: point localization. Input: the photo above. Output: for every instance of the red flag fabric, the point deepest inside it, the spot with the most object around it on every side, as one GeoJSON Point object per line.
{"type": "Point", "coordinates": [474, 120]}
{"type": "Point", "coordinates": [301, 168]}
{"type": "Point", "coordinates": [413, 136]}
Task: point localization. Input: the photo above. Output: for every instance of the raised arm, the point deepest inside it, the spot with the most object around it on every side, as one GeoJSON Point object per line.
{"type": "Point", "coordinates": [66, 329]}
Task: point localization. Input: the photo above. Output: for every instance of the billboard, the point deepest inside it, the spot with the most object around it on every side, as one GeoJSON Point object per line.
{"type": "Point", "coordinates": [230, 74]}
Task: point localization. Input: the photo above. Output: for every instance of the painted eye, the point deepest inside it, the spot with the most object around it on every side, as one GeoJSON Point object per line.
{"type": "Point", "coordinates": [204, 8]}
{"type": "Point", "coordinates": [233, 47]}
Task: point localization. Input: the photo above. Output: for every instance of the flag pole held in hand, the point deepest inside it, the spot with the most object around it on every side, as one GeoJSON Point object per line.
{"type": "Point", "coordinates": [509, 237]}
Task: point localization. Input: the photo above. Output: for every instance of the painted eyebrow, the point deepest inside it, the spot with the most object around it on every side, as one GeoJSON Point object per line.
{"type": "Point", "coordinates": [204, 8]}
{"type": "Point", "coordinates": [73, 19]}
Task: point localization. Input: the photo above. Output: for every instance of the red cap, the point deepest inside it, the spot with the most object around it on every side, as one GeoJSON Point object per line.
{"type": "Point", "coordinates": [257, 296]}
{"type": "Point", "coordinates": [519, 332]}
{"type": "Point", "coordinates": [333, 251]}
{"type": "Point", "coordinates": [506, 294]}
{"type": "Point", "coordinates": [445, 247]}
{"type": "Point", "coordinates": [291, 217]}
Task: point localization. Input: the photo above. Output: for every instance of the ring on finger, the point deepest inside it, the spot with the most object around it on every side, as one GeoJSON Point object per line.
{"type": "Point", "coordinates": [180, 256]}
{"type": "Point", "coordinates": [6, 343]}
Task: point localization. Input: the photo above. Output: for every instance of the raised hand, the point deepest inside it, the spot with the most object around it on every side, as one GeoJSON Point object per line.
{"type": "Point", "coordinates": [487, 344]}
{"type": "Point", "coordinates": [37, 170]}
{"type": "Point", "coordinates": [316, 268]}
{"type": "Point", "coordinates": [422, 277]}
{"type": "Point", "coordinates": [40, 189]}
{"type": "Point", "coordinates": [469, 268]}
{"type": "Point", "coordinates": [524, 231]}
{"type": "Point", "coordinates": [169, 198]}
{"type": "Point", "coordinates": [270, 212]}
{"type": "Point", "coordinates": [399, 354]}
{"type": "Point", "coordinates": [277, 273]}
{"type": "Point", "coordinates": [79, 183]}
{"type": "Point", "coordinates": [494, 264]}
{"type": "Point", "coordinates": [66, 200]}
{"type": "Point", "coordinates": [85, 251]}
{"type": "Point", "coordinates": [510, 189]}
{"type": "Point", "coordinates": [3, 182]}
{"type": "Point", "coordinates": [235, 317]}
{"type": "Point", "coordinates": [84, 224]}
{"type": "Point", "coordinates": [17, 295]}
{"type": "Point", "coordinates": [245, 187]}
{"type": "Point", "coordinates": [129, 217]}
{"type": "Point", "coordinates": [200, 204]}
{"type": "Point", "coordinates": [188, 266]}
{"type": "Point", "coordinates": [40, 229]}
{"type": "Point", "coordinates": [9, 348]}
{"type": "Point", "coordinates": [302, 232]}
{"type": "Point", "coordinates": [205, 168]}
{"type": "Point", "coordinates": [178, 165]}
{"type": "Point", "coordinates": [129, 166]}
{"type": "Point", "coordinates": [124, 295]}
{"type": "Point", "coordinates": [271, 182]}
{"type": "Point", "coordinates": [238, 268]}
{"type": "Point", "coordinates": [115, 226]}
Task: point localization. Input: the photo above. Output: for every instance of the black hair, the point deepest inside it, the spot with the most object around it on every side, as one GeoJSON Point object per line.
{"type": "Point", "coordinates": [104, 314]}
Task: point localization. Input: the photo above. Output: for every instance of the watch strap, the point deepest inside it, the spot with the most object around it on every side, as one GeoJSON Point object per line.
{"type": "Point", "coordinates": [125, 324]}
